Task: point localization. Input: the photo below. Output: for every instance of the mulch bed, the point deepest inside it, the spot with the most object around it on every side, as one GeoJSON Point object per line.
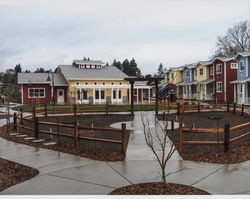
{"type": "Point", "coordinates": [92, 150]}
{"type": "Point", "coordinates": [157, 188]}
{"type": "Point", "coordinates": [12, 173]}
{"type": "Point", "coordinates": [239, 152]}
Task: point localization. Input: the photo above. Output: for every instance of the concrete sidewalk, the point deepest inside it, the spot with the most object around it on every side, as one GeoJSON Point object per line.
{"type": "Point", "coordinates": [62, 173]}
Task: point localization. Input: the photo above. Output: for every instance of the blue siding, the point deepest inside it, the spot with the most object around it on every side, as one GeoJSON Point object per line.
{"type": "Point", "coordinates": [190, 76]}
{"type": "Point", "coordinates": [241, 74]}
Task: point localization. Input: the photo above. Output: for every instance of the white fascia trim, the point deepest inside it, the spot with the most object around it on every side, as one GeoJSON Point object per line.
{"type": "Point", "coordinates": [225, 81]}
{"type": "Point", "coordinates": [247, 66]}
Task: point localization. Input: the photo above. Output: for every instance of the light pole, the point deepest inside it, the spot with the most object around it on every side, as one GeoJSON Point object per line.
{"type": "Point", "coordinates": [53, 96]}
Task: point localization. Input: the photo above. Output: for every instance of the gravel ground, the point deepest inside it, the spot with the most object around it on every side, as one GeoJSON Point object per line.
{"type": "Point", "coordinates": [157, 188]}
{"type": "Point", "coordinates": [13, 173]}
{"type": "Point", "coordinates": [238, 152]}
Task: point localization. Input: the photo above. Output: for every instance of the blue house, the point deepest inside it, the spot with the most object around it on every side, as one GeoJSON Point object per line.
{"type": "Point", "coordinates": [242, 84]}
{"type": "Point", "coordinates": [188, 83]}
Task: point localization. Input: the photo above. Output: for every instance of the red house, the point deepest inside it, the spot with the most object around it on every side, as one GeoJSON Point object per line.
{"type": "Point", "coordinates": [223, 70]}
{"type": "Point", "coordinates": [42, 88]}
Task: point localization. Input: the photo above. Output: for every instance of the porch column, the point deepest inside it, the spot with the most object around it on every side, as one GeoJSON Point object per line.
{"type": "Point", "coordinates": [93, 95]}
{"type": "Point", "coordinates": [132, 97]}
{"type": "Point", "coordinates": [205, 92]}
{"type": "Point", "coordinates": [243, 93]}
{"type": "Point", "coordinates": [190, 92]}
{"type": "Point", "coordinates": [117, 95]}
{"type": "Point", "coordinates": [137, 96]}
{"type": "Point", "coordinates": [99, 95]}
{"type": "Point", "coordinates": [235, 93]}
{"type": "Point", "coordinates": [156, 96]}
{"type": "Point", "coordinates": [112, 95]}
{"type": "Point", "coordinates": [149, 95]}
{"type": "Point", "coordinates": [142, 95]}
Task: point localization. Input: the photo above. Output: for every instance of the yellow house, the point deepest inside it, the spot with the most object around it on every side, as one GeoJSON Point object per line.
{"type": "Point", "coordinates": [92, 82]}
{"type": "Point", "coordinates": [203, 83]}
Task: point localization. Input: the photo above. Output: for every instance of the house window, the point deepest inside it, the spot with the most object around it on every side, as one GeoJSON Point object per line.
{"type": "Point", "coordinates": [98, 66]}
{"type": "Point", "coordinates": [92, 66]}
{"type": "Point", "coordinates": [114, 94]}
{"type": "Point", "coordinates": [112, 83]}
{"type": "Point", "coordinates": [103, 83]}
{"type": "Point", "coordinates": [234, 66]}
{"type": "Point", "coordinates": [172, 75]}
{"type": "Point", "coordinates": [102, 94]}
{"type": "Point", "coordinates": [78, 95]}
{"type": "Point", "coordinates": [218, 68]}
{"type": "Point", "coordinates": [36, 92]}
{"type": "Point", "coordinates": [84, 94]}
{"type": "Point", "coordinates": [211, 70]}
{"type": "Point", "coordinates": [97, 94]}
{"type": "Point", "coordinates": [242, 66]}
{"type": "Point", "coordinates": [95, 83]}
{"type": "Point", "coordinates": [201, 71]}
{"type": "Point", "coordinates": [88, 66]}
{"type": "Point", "coordinates": [120, 83]}
{"type": "Point", "coordinates": [120, 94]}
{"type": "Point", "coordinates": [86, 83]}
{"type": "Point", "coordinates": [186, 73]}
{"type": "Point", "coordinates": [219, 87]}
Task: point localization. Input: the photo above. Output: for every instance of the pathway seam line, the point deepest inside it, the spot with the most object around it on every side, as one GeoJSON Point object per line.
{"type": "Point", "coordinates": [87, 182]}
{"type": "Point", "coordinates": [207, 175]}
{"type": "Point", "coordinates": [119, 173]}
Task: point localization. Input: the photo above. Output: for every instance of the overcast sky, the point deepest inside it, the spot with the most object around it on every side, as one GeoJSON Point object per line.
{"type": "Point", "coordinates": [173, 32]}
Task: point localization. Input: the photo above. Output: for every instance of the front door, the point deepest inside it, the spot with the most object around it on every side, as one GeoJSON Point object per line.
{"type": "Point", "coordinates": [60, 96]}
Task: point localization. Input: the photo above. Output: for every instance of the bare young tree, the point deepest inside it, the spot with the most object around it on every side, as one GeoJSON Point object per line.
{"type": "Point", "coordinates": [237, 39]}
{"type": "Point", "coordinates": [158, 141]}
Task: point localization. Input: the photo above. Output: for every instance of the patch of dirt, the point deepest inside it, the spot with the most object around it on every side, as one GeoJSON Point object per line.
{"type": "Point", "coordinates": [157, 188]}
{"type": "Point", "coordinates": [238, 151]}
{"type": "Point", "coordinates": [12, 173]}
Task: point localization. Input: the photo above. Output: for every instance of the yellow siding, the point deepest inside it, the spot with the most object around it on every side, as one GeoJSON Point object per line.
{"type": "Point", "coordinates": [205, 72]}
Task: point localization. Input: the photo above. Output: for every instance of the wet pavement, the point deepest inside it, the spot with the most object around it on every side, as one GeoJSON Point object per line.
{"type": "Point", "coordinates": [62, 173]}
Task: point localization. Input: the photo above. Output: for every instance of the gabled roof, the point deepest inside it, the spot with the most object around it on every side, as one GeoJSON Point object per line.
{"type": "Point", "coordinates": [243, 54]}
{"type": "Point", "coordinates": [224, 59]}
{"type": "Point", "coordinates": [41, 78]}
{"type": "Point", "coordinates": [92, 62]}
{"type": "Point", "coordinates": [71, 72]}
{"type": "Point", "coordinates": [205, 63]}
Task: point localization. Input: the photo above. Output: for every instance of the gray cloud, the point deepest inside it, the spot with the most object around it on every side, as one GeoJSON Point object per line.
{"type": "Point", "coordinates": [48, 33]}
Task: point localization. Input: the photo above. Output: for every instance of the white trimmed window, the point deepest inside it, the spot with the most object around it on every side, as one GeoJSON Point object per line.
{"type": "Point", "coordinates": [219, 87]}
{"type": "Point", "coordinates": [201, 71]}
{"type": "Point", "coordinates": [186, 73]}
{"type": "Point", "coordinates": [211, 70]}
{"type": "Point", "coordinates": [242, 65]}
{"type": "Point", "coordinates": [234, 66]}
{"type": "Point", "coordinates": [36, 92]}
{"type": "Point", "coordinates": [218, 68]}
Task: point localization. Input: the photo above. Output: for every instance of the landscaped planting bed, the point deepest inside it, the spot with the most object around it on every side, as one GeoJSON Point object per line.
{"type": "Point", "coordinates": [91, 149]}
{"type": "Point", "coordinates": [238, 151]}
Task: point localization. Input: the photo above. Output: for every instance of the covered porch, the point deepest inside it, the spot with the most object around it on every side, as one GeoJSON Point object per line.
{"type": "Point", "coordinates": [242, 91]}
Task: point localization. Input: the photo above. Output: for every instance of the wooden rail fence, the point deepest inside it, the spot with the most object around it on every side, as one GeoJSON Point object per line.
{"type": "Point", "coordinates": [76, 131]}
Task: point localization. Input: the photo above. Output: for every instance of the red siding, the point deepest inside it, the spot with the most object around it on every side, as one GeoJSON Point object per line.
{"type": "Point", "coordinates": [230, 75]}
{"type": "Point", "coordinates": [46, 100]}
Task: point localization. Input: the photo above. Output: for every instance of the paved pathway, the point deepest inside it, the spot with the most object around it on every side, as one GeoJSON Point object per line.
{"type": "Point", "coordinates": [61, 173]}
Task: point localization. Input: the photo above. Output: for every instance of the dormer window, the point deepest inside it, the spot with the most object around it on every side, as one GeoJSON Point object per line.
{"type": "Point", "coordinates": [98, 66]}
{"type": "Point", "coordinates": [186, 73]}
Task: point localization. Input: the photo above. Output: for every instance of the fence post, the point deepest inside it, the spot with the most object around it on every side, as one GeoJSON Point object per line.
{"type": "Point", "coordinates": [36, 127]}
{"type": "Point", "coordinates": [75, 109]}
{"type": "Point", "coordinates": [45, 110]}
{"type": "Point", "coordinates": [172, 125]}
{"type": "Point", "coordinates": [21, 115]}
{"type": "Point", "coordinates": [227, 106]}
{"type": "Point", "coordinates": [242, 110]}
{"type": "Point", "coordinates": [34, 112]}
{"type": "Point", "coordinates": [199, 108]}
{"type": "Point", "coordinates": [107, 108]}
{"type": "Point", "coordinates": [123, 147]}
{"type": "Point", "coordinates": [226, 137]}
{"type": "Point", "coordinates": [15, 121]}
{"type": "Point", "coordinates": [180, 138]}
{"type": "Point", "coordinates": [178, 108]}
{"type": "Point", "coordinates": [76, 132]}
{"type": "Point", "coordinates": [234, 110]}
